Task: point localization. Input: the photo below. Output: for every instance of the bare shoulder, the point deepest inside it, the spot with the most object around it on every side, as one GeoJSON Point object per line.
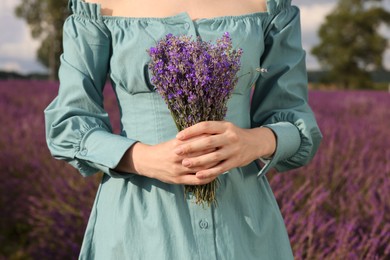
{"type": "Point", "coordinates": [198, 8]}
{"type": "Point", "coordinates": [258, 5]}
{"type": "Point", "coordinates": [263, 4]}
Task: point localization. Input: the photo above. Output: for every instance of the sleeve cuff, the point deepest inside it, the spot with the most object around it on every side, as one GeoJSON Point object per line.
{"type": "Point", "coordinates": [103, 150]}
{"type": "Point", "coordinates": [288, 141]}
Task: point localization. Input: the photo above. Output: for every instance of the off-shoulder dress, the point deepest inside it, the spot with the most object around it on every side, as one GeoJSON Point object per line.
{"type": "Point", "coordinates": [135, 217]}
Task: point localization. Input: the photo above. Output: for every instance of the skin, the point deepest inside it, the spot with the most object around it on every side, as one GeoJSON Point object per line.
{"type": "Point", "coordinates": [195, 8]}
{"type": "Point", "coordinates": [199, 153]}
{"type": "Point", "coordinates": [202, 152]}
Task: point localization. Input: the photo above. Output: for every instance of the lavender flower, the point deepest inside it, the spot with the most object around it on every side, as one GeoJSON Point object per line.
{"type": "Point", "coordinates": [337, 207]}
{"type": "Point", "coordinates": [196, 79]}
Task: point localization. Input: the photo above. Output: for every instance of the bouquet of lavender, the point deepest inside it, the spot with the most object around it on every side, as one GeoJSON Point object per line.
{"type": "Point", "coordinates": [195, 78]}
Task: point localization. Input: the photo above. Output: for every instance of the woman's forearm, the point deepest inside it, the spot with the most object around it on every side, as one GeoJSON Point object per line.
{"type": "Point", "coordinates": [264, 139]}
{"type": "Point", "coordinates": [129, 161]}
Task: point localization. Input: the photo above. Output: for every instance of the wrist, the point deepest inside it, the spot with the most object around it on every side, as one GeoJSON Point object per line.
{"type": "Point", "coordinates": [138, 158]}
{"type": "Point", "coordinates": [270, 139]}
{"type": "Point", "coordinates": [265, 140]}
{"type": "Point", "coordinates": [131, 161]}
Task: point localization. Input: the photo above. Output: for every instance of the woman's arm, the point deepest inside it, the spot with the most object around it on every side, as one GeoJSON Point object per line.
{"type": "Point", "coordinates": [78, 129]}
{"type": "Point", "coordinates": [163, 163]}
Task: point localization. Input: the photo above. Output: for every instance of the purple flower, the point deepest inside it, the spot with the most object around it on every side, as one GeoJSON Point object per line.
{"type": "Point", "coordinates": [195, 78]}
{"type": "Point", "coordinates": [185, 71]}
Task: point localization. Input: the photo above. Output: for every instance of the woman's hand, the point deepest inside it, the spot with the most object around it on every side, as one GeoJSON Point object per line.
{"type": "Point", "coordinates": [231, 147]}
{"type": "Point", "coordinates": [162, 163]}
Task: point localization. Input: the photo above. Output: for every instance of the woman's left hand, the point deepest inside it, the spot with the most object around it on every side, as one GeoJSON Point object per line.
{"type": "Point", "coordinates": [231, 146]}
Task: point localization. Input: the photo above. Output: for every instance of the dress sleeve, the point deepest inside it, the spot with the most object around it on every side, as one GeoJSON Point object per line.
{"type": "Point", "coordinates": [280, 97]}
{"type": "Point", "coordinates": [77, 126]}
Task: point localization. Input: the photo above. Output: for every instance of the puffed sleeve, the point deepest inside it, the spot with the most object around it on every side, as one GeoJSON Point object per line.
{"type": "Point", "coordinates": [77, 126]}
{"type": "Point", "coordinates": [280, 98]}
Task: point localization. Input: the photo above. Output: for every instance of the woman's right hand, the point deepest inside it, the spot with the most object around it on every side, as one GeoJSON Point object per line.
{"type": "Point", "coordinates": [162, 163]}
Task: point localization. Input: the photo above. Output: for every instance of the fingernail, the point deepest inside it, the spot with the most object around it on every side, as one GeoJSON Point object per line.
{"type": "Point", "coordinates": [200, 176]}
{"type": "Point", "coordinates": [180, 136]}
{"type": "Point", "coordinates": [178, 150]}
{"type": "Point", "coordinates": [186, 163]}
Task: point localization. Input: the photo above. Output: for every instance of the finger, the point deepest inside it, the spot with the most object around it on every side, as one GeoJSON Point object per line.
{"type": "Point", "coordinates": [179, 170]}
{"type": "Point", "coordinates": [192, 155]}
{"type": "Point", "coordinates": [200, 145]}
{"type": "Point", "coordinates": [214, 171]}
{"type": "Point", "coordinates": [206, 127]}
{"type": "Point", "coordinates": [205, 160]}
{"type": "Point", "coordinates": [193, 170]}
{"type": "Point", "coordinates": [189, 140]}
{"type": "Point", "coordinates": [192, 179]}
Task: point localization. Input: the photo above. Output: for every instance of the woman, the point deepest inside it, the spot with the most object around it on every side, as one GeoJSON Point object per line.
{"type": "Point", "coordinates": [140, 211]}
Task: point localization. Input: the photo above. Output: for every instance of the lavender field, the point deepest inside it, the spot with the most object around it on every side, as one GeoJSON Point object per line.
{"type": "Point", "coordinates": [337, 207]}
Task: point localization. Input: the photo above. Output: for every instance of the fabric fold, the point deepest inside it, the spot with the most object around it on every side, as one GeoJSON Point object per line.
{"type": "Point", "coordinates": [287, 113]}
{"type": "Point", "coordinates": [78, 129]}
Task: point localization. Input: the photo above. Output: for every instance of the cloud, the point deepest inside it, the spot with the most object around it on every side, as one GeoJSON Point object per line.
{"type": "Point", "coordinates": [17, 48]}
{"type": "Point", "coordinates": [312, 16]}
{"type": "Point", "coordinates": [10, 26]}
{"type": "Point", "coordinates": [8, 4]}
{"type": "Point", "coordinates": [23, 66]}
{"type": "Point", "coordinates": [10, 66]}
{"type": "Point", "coordinates": [25, 47]}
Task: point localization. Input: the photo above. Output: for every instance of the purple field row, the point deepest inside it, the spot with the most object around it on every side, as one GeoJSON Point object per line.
{"type": "Point", "coordinates": [337, 207]}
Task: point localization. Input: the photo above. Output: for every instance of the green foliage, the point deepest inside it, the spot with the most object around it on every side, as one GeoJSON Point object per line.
{"type": "Point", "coordinates": [45, 18]}
{"type": "Point", "coordinates": [351, 45]}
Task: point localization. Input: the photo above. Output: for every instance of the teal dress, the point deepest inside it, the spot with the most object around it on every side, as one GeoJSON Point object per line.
{"type": "Point", "coordinates": [135, 217]}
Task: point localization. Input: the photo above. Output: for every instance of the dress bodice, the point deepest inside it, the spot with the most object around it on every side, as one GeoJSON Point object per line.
{"type": "Point", "coordinates": [144, 115]}
{"type": "Point", "coordinates": [135, 217]}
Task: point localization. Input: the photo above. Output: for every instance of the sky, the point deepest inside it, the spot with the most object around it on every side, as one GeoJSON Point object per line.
{"type": "Point", "coordinates": [18, 49]}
